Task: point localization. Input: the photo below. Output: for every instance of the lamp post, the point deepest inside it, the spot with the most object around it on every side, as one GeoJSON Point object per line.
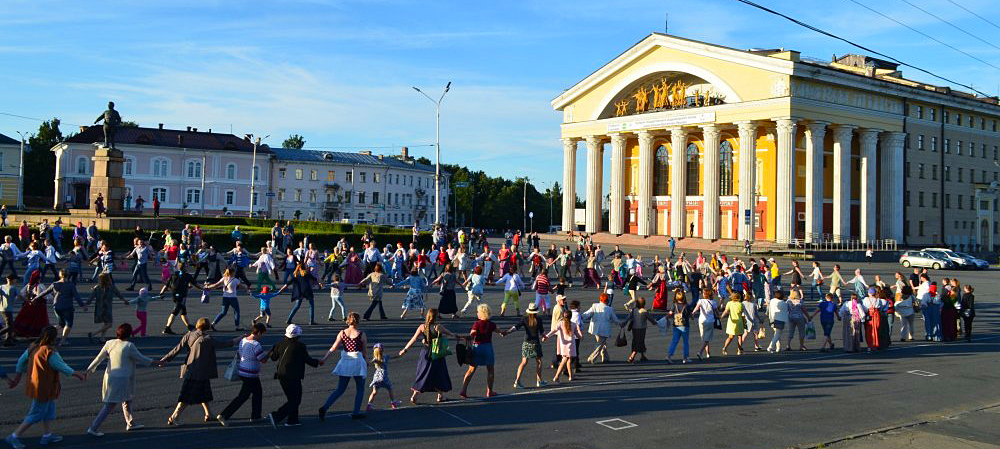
{"type": "Point", "coordinates": [253, 165]}
{"type": "Point", "coordinates": [524, 207]}
{"type": "Point", "coordinates": [437, 150]}
{"type": "Point", "coordinates": [20, 175]}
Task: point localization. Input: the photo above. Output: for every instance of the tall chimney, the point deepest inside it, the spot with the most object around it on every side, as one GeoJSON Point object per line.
{"type": "Point", "coordinates": [405, 153]}
{"type": "Point", "coordinates": [161, 126]}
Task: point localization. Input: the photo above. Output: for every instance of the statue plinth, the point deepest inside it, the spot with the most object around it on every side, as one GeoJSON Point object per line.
{"type": "Point", "coordinates": [109, 166]}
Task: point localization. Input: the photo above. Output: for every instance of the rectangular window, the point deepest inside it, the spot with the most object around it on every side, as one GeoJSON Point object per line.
{"type": "Point", "coordinates": [972, 202]}
{"type": "Point", "coordinates": [906, 225]}
{"type": "Point", "coordinates": [330, 175]}
{"type": "Point", "coordinates": [281, 173]}
{"type": "Point", "coordinates": [159, 193]}
{"type": "Point", "coordinates": [920, 199]}
{"type": "Point", "coordinates": [947, 200]}
{"type": "Point", "coordinates": [920, 142]}
{"type": "Point", "coordinates": [363, 177]}
{"type": "Point", "coordinates": [958, 118]}
{"type": "Point", "coordinates": [906, 197]}
{"type": "Point", "coordinates": [255, 198]}
{"type": "Point", "coordinates": [192, 196]}
{"type": "Point", "coordinates": [298, 174]}
{"type": "Point", "coordinates": [281, 194]}
{"type": "Point", "coordinates": [947, 173]}
{"type": "Point", "coordinates": [920, 112]}
{"type": "Point", "coordinates": [361, 197]}
{"type": "Point", "coordinates": [920, 170]}
{"type": "Point", "coordinates": [972, 122]}
{"type": "Point", "coordinates": [960, 174]}
{"type": "Point", "coordinates": [906, 168]}
{"type": "Point", "coordinates": [934, 199]}
{"type": "Point", "coordinates": [312, 195]}
{"type": "Point", "coordinates": [934, 144]}
{"type": "Point", "coordinates": [958, 147]}
{"type": "Point", "coordinates": [376, 177]}
{"type": "Point", "coordinates": [374, 197]}
{"type": "Point", "coordinates": [994, 126]}
{"type": "Point", "coordinates": [297, 196]}
{"type": "Point", "coordinates": [347, 196]}
{"type": "Point", "coordinates": [230, 197]}
{"type": "Point", "coordinates": [944, 116]}
{"type": "Point", "coordinates": [920, 228]}
{"type": "Point", "coordinates": [934, 172]}
{"type": "Point", "coordinates": [313, 175]}
{"type": "Point", "coordinates": [960, 201]}
{"type": "Point", "coordinates": [972, 149]}
{"type": "Point", "coordinates": [350, 177]}
{"type": "Point", "coordinates": [932, 112]}
{"type": "Point", "coordinates": [947, 146]}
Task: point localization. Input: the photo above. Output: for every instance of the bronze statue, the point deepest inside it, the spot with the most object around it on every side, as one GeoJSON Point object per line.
{"type": "Point", "coordinates": [112, 120]}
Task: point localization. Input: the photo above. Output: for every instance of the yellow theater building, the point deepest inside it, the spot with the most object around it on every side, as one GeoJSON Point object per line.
{"type": "Point", "coordinates": [713, 142]}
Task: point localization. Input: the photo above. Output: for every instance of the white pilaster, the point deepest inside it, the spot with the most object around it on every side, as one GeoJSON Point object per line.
{"type": "Point", "coordinates": [747, 169]}
{"type": "Point", "coordinates": [569, 184]}
{"type": "Point", "coordinates": [868, 140]}
{"type": "Point", "coordinates": [842, 135]}
{"type": "Point", "coordinates": [710, 188]}
{"type": "Point", "coordinates": [678, 181]}
{"type": "Point", "coordinates": [815, 133]}
{"type": "Point", "coordinates": [645, 187]}
{"type": "Point", "coordinates": [595, 181]}
{"type": "Point", "coordinates": [616, 222]}
{"type": "Point", "coordinates": [892, 194]}
{"type": "Point", "coordinates": [785, 213]}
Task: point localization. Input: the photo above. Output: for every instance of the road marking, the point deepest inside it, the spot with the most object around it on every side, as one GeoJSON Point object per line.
{"type": "Point", "coordinates": [922, 373]}
{"type": "Point", "coordinates": [380, 434]}
{"type": "Point", "coordinates": [617, 424]}
{"type": "Point", "coordinates": [451, 415]}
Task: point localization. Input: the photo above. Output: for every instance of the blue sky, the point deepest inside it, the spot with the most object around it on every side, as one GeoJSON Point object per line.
{"type": "Point", "coordinates": [339, 72]}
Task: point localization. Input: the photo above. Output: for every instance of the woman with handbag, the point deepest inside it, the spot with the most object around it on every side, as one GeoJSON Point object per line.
{"type": "Point", "coordinates": [797, 318]}
{"type": "Point", "coordinates": [432, 369]}
{"type": "Point", "coordinates": [119, 378]}
{"type": "Point", "coordinates": [680, 316]}
{"type": "Point", "coordinates": [246, 367]}
{"type": "Point", "coordinates": [817, 282]}
{"type": "Point", "coordinates": [706, 308]}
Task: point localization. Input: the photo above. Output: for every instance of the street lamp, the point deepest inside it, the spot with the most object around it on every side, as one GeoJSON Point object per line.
{"type": "Point", "coordinates": [524, 207]}
{"type": "Point", "coordinates": [20, 174]}
{"type": "Point", "coordinates": [437, 151]}
{"type": "Point", "coordinates": [253, 167]}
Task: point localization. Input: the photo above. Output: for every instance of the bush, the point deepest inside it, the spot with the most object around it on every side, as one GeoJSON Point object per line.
{"type": "Point", "coordinates": [300, 225]}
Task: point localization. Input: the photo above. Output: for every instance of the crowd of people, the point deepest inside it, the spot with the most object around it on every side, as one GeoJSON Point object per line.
{"type": "Point", "coordinates": [745, 298]}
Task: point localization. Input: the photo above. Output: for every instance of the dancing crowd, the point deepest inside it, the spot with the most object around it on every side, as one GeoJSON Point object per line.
{"type": "Point", "coordinates": [745, 298]}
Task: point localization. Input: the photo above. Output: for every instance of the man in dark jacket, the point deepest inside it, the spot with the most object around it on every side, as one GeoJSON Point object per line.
{"type": "Point", "coordinates": [292, 358]}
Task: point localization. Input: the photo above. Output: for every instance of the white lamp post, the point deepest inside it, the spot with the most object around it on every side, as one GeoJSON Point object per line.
{"type": "Point", "coordinates": [20, 174]}
{"type": "Point", "coordinates": [437, 151]}
{"type": "Point", "coordinates": [253, 165]}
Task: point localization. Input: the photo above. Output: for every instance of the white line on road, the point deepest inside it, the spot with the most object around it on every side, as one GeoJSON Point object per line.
{"type": "Point", "coordinates": [451, 415]}
{"type": "Point", "coordinates": [617, 424]}
{"type": "Point", "coordinates": [380, 434]}
{"type": "Point", "coordinates": [922, 373]}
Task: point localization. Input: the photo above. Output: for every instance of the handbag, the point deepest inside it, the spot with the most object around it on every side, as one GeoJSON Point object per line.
{"type": "Point", "coordinates": [810, 331]}
{"type": "Point", "coordinates": [233, 370]}
{"type": "Point", "coordinates": [621, 340]}
{"type": "Point", "coordinates": [439, 348]}
{"type": "Point", "coordinates": [717, 324]}
{"type": "Point", "coordinates": [761, 334]}
{"type": "Point", "coordinates": [463, 354]}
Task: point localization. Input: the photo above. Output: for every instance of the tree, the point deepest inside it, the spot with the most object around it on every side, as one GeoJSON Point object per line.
{"type": "Point", "coordinates": [40, 164]}
{"type": "Point", "coordinates": [294, 141]}
{"type": "Point", "coordinates": [128, 124]}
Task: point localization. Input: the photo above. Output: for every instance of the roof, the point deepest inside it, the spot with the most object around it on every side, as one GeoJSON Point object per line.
{"type": "Point", "coordinates": [335, 157]}
{"type": "Point", "coordinates": [176, 138]}
{"type": "Point", "coordinates": [4, 140]}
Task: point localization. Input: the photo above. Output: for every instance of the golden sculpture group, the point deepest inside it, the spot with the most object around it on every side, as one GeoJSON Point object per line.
{"type": "Point", "coordinates": [666, 95]}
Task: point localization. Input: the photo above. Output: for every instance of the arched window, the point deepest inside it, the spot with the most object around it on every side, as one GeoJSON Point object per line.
{"type": "Point", "coordinates": [231, 171]}
{"type": "Point", "coordinates": [194, 169]}
{"type": "Point", "coordinates": [161, 168]}
{"type": "Point", "coordinates": [81, 165]}
{"type": "Point", "coordinates": [661, 171]}
{"type": "Point", "coordinates": [129, 166]}
{"type": "Point", "coordinates": [693, 186]}
{"type": "Point", "coordinates": [256, 173]}
{"type": "Point", "coordinates": [725, 168]}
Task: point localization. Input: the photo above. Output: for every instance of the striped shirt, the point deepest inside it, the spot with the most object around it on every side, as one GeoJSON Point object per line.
{"type": "Point", "coordinates": [251, 354]}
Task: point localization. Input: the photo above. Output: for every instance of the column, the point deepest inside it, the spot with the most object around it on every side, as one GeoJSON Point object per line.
{"type": "Point", "coordinates": [892, 194]}
{"type": "Point", "coordinates": [710, 188]}
{"type": "Point", "coordinates": [645, 187]}
{"type": "Point", "coordinates": [595, 172]}
{"type": "Point", "coordinates": [678, 180]}
{"type": "Point", "coordinates": [748, 167]}
{"type": "Point", "coordinates": [815, 133]}
{"type": "Point", "coordinates": [616, 222]}
{"type": "Point", "coordinates": [60, 181]}
{"type": "Point", "coordinates": [842, 135]}
{"type": "Point", "coordinates": [868, 140]}
{"type": "Point", "coordinates": [569, 184]}
{"type": "Point", "coordinates": [785, 186]}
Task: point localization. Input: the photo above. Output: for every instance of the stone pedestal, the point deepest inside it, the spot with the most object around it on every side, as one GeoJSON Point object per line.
{"type": "Point", "coordinates": [109, 165]}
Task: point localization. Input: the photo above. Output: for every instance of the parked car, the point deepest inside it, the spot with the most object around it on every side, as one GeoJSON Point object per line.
{"type": "Point", "coordinates": [924, 259]}
{"type": "Point", "coordinates": [975, 262]}
{"type": "Point", "coordinates": [947, 254]}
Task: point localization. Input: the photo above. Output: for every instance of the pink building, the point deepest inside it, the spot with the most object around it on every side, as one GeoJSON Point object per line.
{"type": "Point", "coordinates": [191, 172]}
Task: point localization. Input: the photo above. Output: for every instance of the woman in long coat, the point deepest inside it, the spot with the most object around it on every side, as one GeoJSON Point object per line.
{"type": "Point", "coordinates": [853, 314]}
{"type": "Point", "coordinates": [119, 377]}
{"type": "Point", "coordinates": [199, 368]}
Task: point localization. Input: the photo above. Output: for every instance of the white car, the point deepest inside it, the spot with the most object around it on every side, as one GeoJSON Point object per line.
{"type": "Point", "coordinates": [923, 259]}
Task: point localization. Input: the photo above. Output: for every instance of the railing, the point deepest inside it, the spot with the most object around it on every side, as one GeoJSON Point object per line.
{"type": "Point", "coordinates": [331, 205]}
{"type": "Point", "coordinates": [830, 242]}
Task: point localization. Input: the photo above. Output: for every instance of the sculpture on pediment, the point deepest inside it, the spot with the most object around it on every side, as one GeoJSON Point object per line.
{"type": "Point", "coordinates": [678, 94]}
{"type": "Point", "coordinates": [641, 99]}
{"type": "Point", "coordinates": [621, 108]}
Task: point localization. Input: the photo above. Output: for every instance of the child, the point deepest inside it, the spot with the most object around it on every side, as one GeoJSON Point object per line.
{"type": "Point", "coordinates": [541, 288]}
{"type": "Point", "coordinates": [141, 302]}
{"type": "Point", "coordinates": [336, 299]}
{"type": "Point", "coordinates": [265, 306]}
{"type": "Point", "coordinates": [609, 288]}
{"type": "Point", "coordinates": [381, 377]}
{"type": "Point", "coordinates": [561, 287]}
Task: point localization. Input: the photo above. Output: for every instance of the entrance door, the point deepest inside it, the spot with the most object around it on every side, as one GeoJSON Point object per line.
{"type": "Point", "coordinates": [727, 225]}
{"type": "Point", "coordinates": [662, 221]}
{"type": "Point", "coordinates": [80, 196]}
{"type": "Point", "coordinates": [691, 226]}
{"type": "Point", "coordinates": [984, 235]}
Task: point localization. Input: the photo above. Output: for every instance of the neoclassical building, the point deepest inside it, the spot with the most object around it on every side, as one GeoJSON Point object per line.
{"type": "Point", "coordinates": [719, 143]}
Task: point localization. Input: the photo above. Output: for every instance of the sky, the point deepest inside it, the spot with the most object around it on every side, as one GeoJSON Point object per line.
{"type": "Point", "coordinates": [341, 72]}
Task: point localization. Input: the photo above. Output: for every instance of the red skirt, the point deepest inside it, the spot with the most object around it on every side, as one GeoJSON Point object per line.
{"type": "Point", "coordinates": [32, 318]}
{"type": "Point", "coordinates": [871, 328]}
{"type": "Point", "coordinates": [660, 299]}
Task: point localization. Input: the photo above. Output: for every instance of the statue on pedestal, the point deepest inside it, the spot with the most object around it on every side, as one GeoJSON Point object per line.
{"type": "Point", "coordinates": [112, 120]}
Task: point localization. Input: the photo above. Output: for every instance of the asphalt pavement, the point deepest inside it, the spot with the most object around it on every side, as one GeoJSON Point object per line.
{"type": "Point", "coordinates": [756, 400]}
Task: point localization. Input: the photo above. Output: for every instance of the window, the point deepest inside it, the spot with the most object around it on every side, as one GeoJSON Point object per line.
{"type": "Point", "coordinates": [947, 146]}
{"type": "Point", "coordinates": [947, 173]}
{"type": "Point", "coordinates": [230, 197]}
{"type": "Point", "coordinates": [231, 171]}
{"type": "Point", "coordinates": [920, 199]}
{"type": "Point", "coordinates": [374, 197]}
{"type": "Point", "coordinates": [192, 196]}
{"type": "Point", "coordinates": [958, 118]}
{"type": "Point", "coordinates": [994, 124]}
{"type": "Point", "coordinates": [920, 112]}
{"type": "Point", "coordinates": [994, 152]}
{"type": "Point", "coordinates": [281, 173]}
{"type": "Point", "coordinates": [934, 199]}
{"type": "Point", "coordinates": [972, 122]}
{"type": "Point", "coordinates": [255, 198]}
{"type": "Point", "coordinates": [906, 197]}
{"type": "Point", "coordinates": [361, 197]}
{"type": "Point", "coordinates": [350, 176]}
{"type": "Point", "coordinates": [194, 169]}
{"type": "Point", "coordinates": [920, 228]}
{"type": "Point", "coordinates": [363, 177]}
{"type": "Point", "coordinates": [281, 194]}
{"type": "Point", "coordinates": [159, 193]}
{"type": "Point", "coordinates": [129, 165]}
{"type": "Point", "coordinates": [960, 201]}
{"type": "Point", "coordinates": [932, 113]}
{"type": "Point", "coordinates": [947, 200]}
{"type": "Point", "coordinates": [906, 224]}
{"type": "Point", "coordinates": [297, 195]}
{"type": "Point", "coordinates": [376, 178]}
{"type": "Point", "coordinates": [312, 195]}
{"type": "Point", "coordinates": [906, 169]}
{"type": "Point", "coordinates": [81, 165]}
{"type": "Point", "coordinates": [934, 172]}
{"type": "Point", "coordinates": [944, 117]}
{"type": "Point", "coordinates": [330, 176]}
{"type": "Point", "coordinates": [661, 171]}
{"type": "Point", "coordinates": [972, 149]}
{"type": "Point", "coordinates": [920, 170]}
{"type": "Point", "coordinates": [959, 174]}
{"type": "Point", "coordinates": [256, 173]}
{"type": "Point", "coordinates": [298, 174]}
{"type": "Point", "coordinates": [313, 175]}
{"type": "Point", "coordinates": [693, 186]}
{"type": "Point", "coordinates": [920, 142]}
{"type": "Point", "coordinates": [972, 202]}
{"type": "Point", "coordinates": [958, 147]}
{"type": "Point", "coordinates": [348, 195]}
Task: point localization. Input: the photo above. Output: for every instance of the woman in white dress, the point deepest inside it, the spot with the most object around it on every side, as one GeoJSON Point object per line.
{"type": "Point", "coordinates": [119, 377]}
{"type": "Point", "coordinates": [353, 364]}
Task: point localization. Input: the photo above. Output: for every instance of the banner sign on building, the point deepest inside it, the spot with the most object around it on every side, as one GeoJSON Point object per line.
{"type": "Point", "coordinates": [665, 122]}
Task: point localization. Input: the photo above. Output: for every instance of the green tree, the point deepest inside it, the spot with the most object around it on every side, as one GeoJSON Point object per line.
{"type": "Point", "coordinates": [294, 141]}
{"type": "Point", "coordinates": [129, 124]}
{"type": "Point", "coordinates": [40, 164]}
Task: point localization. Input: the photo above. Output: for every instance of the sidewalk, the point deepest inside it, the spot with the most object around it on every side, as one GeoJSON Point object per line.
{"type": "Point", "coordinates": [686, 244]}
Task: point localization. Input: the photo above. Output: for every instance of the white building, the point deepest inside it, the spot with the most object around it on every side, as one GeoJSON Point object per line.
{"type": "Point", "coordinates": [10, 166]}
{"type": "Point", "coordinates": [354, 187]}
